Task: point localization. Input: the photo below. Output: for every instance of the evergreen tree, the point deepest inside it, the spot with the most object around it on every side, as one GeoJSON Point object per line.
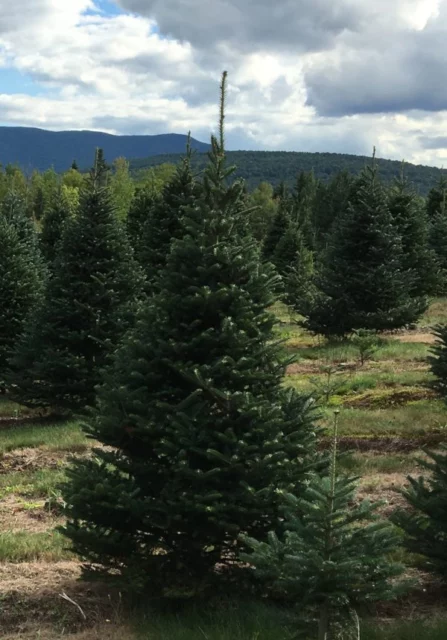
{"type": "Point", "coordinates": [363, 283]}
{"type": "Point", "coordinates": [195, 409]}
{"type": "Point", "coordinates": [331, 201]}
{"type": "Point", "coordinates": [333, 556]}
{"type": "Point", "coordinates": [438, 360]}
{"type": "Point", "coordinates": [418, 259]}
{"type": "Point", "coordinates": [53, 226]}
{"type": "Point", "coordinates": [436, 198]}
{"type": "Point", "coordinates": [425, 522]}
{"type": "Point", "coordinates": [13, 210]}
{"type": "Point", "coordinates": [139, 217]}
{"type": "Point", "coordinates": [304, 206]}
{"type": "Point", "coordinates": [84, 312]}
{"type": "Point", "coordinates": [287, 249]}
{"type": "Point", "coordinates": [438, 244]}
{"type": "Point", "coordinates": [74, 166]}
{"type": "Point", "coordinates": [19, 291]}
{"type": "Point", "coordinates": [164, 224]}
{"type": "Point", "coordinates": [277, 230]}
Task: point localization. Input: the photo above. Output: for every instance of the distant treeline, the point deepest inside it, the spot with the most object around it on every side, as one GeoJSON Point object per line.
{"type": "Point", "coordinates": [283, 166]}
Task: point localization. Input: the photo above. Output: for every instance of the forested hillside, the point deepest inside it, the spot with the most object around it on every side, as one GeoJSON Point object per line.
{"type": "Point", "coordinates": [276, 166]}
{"type": "Point", "coordinates": [39, 149]}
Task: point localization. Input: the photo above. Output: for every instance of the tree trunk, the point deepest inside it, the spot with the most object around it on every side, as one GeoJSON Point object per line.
{"type": "Point", "coordinates": [323, 624]}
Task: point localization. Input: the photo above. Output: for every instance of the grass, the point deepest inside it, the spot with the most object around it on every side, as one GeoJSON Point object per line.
{"type": "Point", "coordinates": [412, 630]}
{"type": "Point", "coordinates": [39, 483]}
{"type": "Point", "coordinates": [365, 465]}
{"type": "Point", "coordinates": [22, 546]}
{"type": "Point", "coordinates": [66, 436]}
{"type": "Point", "coordinates": [436, 314]}
{"type": "Point", "coordinates": [412, 420]}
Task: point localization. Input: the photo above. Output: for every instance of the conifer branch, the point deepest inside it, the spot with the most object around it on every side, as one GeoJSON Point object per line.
{"type": "Point", "coordinates": [223, 93]}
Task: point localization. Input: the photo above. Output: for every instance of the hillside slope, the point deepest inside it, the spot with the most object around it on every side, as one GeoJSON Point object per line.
{"type": "Point", "coordinates": [40, 149]}
{"type": "Point", "coordinates": [274, 166]}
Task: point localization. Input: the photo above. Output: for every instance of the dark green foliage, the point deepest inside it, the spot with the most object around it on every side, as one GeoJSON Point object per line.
{"type": "Point", "coordinates": [362, 283]}
{"type": "Point", "coordinates": [283, 166]}
{"type": "Point", "coordinates": [19, 291]}
{"type": "Point", "coordinates": [280, 224]}
{"type": "Point", "coordinates": [333, 556]}
{"type": "Point", "coordinates": [425, 522]}
{"type": "Point", "coordinates": [418, 259]}
{"type": "Point", "coordinates": [287, 249]}
{"type": "Point", "coordinates": [438, 360]}
{"type": "Point", "coordinates": [303, 214]}
{"type": "Point", "coordinates": [331, 201]}
{"type": "Point", "coordinates": [13, 209]}
{"type": "Point", "coordinates": [138, 219]}
{"type": "Point", "coordinates": [74, 165]}
{"type": "Point", "coordinates": [164, 225]}
{"type": "Point", "coordinates": [84, 312]}
{"type": "Point", "coordinates": [53, 226]}
{"type": "Point", "coordinates": [195, 407]}
{"type": "Point", "coordinates": [438, 244]}
{"type": "Point", "coordinates": [436, 198]}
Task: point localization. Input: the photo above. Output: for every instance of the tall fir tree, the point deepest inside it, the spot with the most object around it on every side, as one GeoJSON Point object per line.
{"type": "Point", "coordinates": [53, 226]}
{"type": "Point", "coordinates": [85, 310]}
{"type": "Point", "coordinates": [139, 217]}
{"type": "Point", "coordinates": [279, 226]}
{"type": "Point", "coordinates": [418, 258]}
{"type": "Point", "coordinates": [164, 225]}
{"type": "Point", "coordinates": [438, 244]}
{"type": "Point", "coordinates": [436, 198]}
{"type": "Point", "coordinates": [13, 209]}
{"type": "Point", "coordinates": [19, 292]}
{"type": "Point", "coordinates": [304, 199]}
{"type": "Point", "coordinates": [195, 409]}
{"type": "Point", "coordinates": [363, 284]}
{"type": "Point", "coordinates": [331, 201]}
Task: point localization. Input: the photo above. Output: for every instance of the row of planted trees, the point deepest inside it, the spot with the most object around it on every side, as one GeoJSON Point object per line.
{"type": "Point", "coordinates": [159, 334]}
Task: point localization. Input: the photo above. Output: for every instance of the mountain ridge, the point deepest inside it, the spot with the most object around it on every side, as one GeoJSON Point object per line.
{"type": "Point", "coordinates": [34, 148]}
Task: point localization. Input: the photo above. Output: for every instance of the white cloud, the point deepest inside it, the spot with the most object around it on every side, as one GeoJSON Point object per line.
{"type": "Point", "coordinates": [323, 75]}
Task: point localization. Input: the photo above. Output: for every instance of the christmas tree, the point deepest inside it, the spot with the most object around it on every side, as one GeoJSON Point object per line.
{"type": "Point", "coordinates": [333, 556]}
{"type": "Point", "coordinates": [418, 260]}
{"type": "Point", "coordinates": [363, 283]}
{"type": "Point", "coordinates": [53, 226]}
{"type": "Point", "coordinates": [19, 291]}
{"type": "Point", "coordinates": [84, 312]}
{"type": "Point", "coordinates": [425, 523]}
{"type": "Point", "coordinates": [194, 407]}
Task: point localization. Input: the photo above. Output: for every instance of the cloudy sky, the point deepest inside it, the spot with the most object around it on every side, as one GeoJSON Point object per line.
{"type": "Point", "coordinates": [305, 75]}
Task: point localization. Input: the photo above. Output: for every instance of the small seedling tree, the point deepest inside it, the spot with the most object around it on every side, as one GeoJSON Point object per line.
{"type": "Point", "coordinates": [333, 556]}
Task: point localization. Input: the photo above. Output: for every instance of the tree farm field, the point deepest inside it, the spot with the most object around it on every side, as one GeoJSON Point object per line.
{"type": "Point", "coordinates": [387, 414]}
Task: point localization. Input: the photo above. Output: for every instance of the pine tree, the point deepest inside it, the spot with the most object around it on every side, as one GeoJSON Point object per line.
{"type": "Point", "coordinates": [195, 409]}
{"type": "Point", "coordinates": [331, 201]}
{"type": "Point", "coordinates": [438, 360]}
{"type": "Point", "coordinates": [363, 284]}
{"type": "Point", "coordinates": [139, 217]}
{"type": "Point", "coordinates": [425, 522]}
{"type": "Point", "coordinates": [19, 291]}
{"type": "Point", "coordinates": [13, 210]}
{"type": "Point", "coordinates": [53, 226]}
{"type": "Point", "coordinates": [74, 166]}
{"type": "Point", "coordinates": [438, 244]}
{"type": "Point", "coordinates": [84, 312]}
{"type": "Point", "coordinates": [277, 230]}
{"type": "Point", "coordinates": [436, 198]}
{"type": "Point", "coordinates": [163, 226]}
{"type": "Point", "coordinates": [304, 206]}
{"type": "Point", "coordinates": [333, 554]}
{"type": "Point", "coordinates": [411, 222]}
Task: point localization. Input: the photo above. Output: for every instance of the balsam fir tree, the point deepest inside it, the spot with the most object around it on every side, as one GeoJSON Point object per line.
{"type": "Point", "coordinates": [163, 226]}
{"type": "Point", "coordinates": [278, 229]}
{"type": "Point", "coordinates": [436, 198]}
{"type": "Point", "coordinates": [363, 283]}
{"type": "Point", "coordinates": [19, 292]}
{"type": "Point", "coordinates": [418, 259]}
{"type": "Point", "coordinates": [438, 360]}
{"type": "Point", "coordinates": [425, 522]}
{"type": "Point", "coordinates": [333, 556]}
{"type": "Point", "coordinates": [438, 244]}
{"type": "Point", "coordinates": [195, 409]}
{"type": "Point", "coordinates": [85, 310]}
{"type": "Point", "coordinates": [52, 228]}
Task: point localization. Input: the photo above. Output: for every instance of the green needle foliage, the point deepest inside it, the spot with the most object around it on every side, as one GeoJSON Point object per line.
{"type": "Point", "coordinates": [425, 523]}
{"type": "Point", "coordinates": [195, 409]}
{"type": "Point", "coordinates": [438, 360]}
{"type": "Point", "coordinates": [19, 291]}
{"type": "Point", "coordinates": [53, 225]}
{"type": "Point", "coordinates": [363, 283]}
{"type": "Point", "coordinates": [84, 312]}
{"type": "Point", "coordinates": [333, 557]}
